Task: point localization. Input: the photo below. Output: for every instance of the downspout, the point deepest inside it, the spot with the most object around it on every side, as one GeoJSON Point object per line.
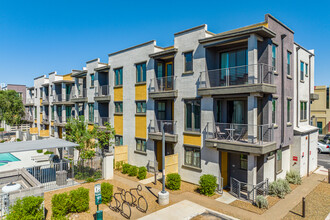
{"type": "Point", "coordinates": [283, 89]}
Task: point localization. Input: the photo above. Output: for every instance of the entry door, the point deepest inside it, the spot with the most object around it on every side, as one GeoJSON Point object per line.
{"type": "Point", "coordinates": [320, 126]}
{"type": "Point", "coordinates": [224, 167]}
{"type": "Point", "coordinates": [168, 76]}
{"type": "Point", "coordinates": [159, 154]}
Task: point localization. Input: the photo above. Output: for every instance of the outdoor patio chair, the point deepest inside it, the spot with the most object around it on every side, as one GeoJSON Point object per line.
{"type": "Point", "coordinates": [239, 134]}
{"type": "Point", "coordinates": [218, 133]}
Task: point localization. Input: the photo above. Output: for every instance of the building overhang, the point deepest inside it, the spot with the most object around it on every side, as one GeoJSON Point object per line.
{"type": "Point", "coordinates": [165, 54]}
{"type": "Point", "coordinates": [171, 94]}
{"type": "Point", "coordinates": [314, 96]}
{"type": "Point", "coordinates": [173, 138]}
{"type": "Point", "coordinates": [102, 98]}
{"type": "Point", "coordinates": [80, 99]}
{"type": "Point", "coordinates": [240, 89]}
{"type": "Point", "coordinates": [102, 69]}
{"type": "Point", "coordinates": [79, 74]}
{"type": "Point", "coordinates": [305, 130]}
{"type": "Point", "coordinates": [64, 81]}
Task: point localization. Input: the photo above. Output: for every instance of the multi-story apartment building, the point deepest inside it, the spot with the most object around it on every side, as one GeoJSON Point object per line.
{"type": "Point", "coordinates": [226, 101]}
{"type": "Point", "coordinates": [320, 110]}
{"type": "Point", "coordinates": [20, 89]}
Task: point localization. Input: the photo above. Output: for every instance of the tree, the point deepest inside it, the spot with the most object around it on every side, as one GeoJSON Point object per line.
{"type": "Point", "coordinates": [106, 136]}
{"type": "Point", "coordinates": [11, 107]}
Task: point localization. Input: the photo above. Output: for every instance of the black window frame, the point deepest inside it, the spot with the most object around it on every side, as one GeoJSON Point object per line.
{"type": "Point", "coordinates": [185, 61]}
{"type": "Point", "coordinates": [143, 142]}
{"type": "Point", "coordinates": [194, 150]}
{"type": "Point", "coordinates": [143, 72]}
{"type": "Point", "coordinates": [120, 139]}
{"type": "Point", "coordinates": [195, 106]}
{"type": "Point", "coordinates": [139, 106]}
{"type": "Point", "coordinates": [243, 162]}
{"type": "Point", "coordinates": [120, 75]}
{"type": "Point", "coordinates": [120, 104]}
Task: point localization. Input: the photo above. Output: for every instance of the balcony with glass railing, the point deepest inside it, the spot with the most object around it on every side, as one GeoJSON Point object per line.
{"type": "Point", "coordinates": [163, 87]}
{"type": "Point", "coordinates": [102, 121]}
{"type": "Point", "coordinates": [79, 95]}
{"type": "Point", "coordinates": [45, 99]}
{"type": "Point", "coordinates": [240, 137]}
{"type": "Point", "coordinates": [102, 93]}
{"type": "Point", "coordinates": [252, 78]}
{"type": "Point", "coordinates": [45, 119]}
{"type": "Point", "coordinates": [156, 127]}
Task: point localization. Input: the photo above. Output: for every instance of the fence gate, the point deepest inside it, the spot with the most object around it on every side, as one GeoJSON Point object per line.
{"type": "Point", "coordinates": [171, 163]}
{"type": "Point", "coordinates": [249, 192]}
{"type": "Point", "coordinates": [121, 154]}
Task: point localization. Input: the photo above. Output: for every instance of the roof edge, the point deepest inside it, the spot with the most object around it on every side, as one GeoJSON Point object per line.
{"type": "Point", "coordinates": [133, 47]}
{"type": "Point", "coordinates": [191, 29]}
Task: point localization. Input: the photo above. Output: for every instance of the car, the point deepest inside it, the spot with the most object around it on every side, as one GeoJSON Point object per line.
{"type": "Point", "coordinates": [322, 147]}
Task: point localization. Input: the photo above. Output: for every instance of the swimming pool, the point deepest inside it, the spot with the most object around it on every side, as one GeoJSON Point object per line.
{"type": "Point", "coordinates": [6, 158]}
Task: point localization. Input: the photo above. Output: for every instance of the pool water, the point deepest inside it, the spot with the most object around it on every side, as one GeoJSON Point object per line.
{"type": "Point", "coordinates": [6, 158]}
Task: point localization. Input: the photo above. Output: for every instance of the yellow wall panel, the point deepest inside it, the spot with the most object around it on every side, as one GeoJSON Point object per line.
{"type": "Point", "coordinates": [192, 139]}
{"type": "Point", "coordinates": [90, 127]}
{"type": "Point", "coordinates": [44, 133]}
{"type": "Point", "coordinates": [118, 94]}
{"type": "Point", "coordinates": [118, 124]}
{"type": "Point", "coordinates": [34, 130]}
{"type": "Point", "coordinates": [67, 77]}
{"type": "Point", "coordinates": [40, 101]}
{"type": "Point", "coordinates": [141, 127]}
{"type": "Point", "coordinates": [40, 117]}
{"type": "Point", "coordinates": [141, 92]}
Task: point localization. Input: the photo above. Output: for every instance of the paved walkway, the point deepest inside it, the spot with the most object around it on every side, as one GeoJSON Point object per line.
{"type": "Point", "coordinates": [278, 211]}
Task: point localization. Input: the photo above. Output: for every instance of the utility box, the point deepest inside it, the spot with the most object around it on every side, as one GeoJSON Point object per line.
{"type": "Point", "coordinates": [61, 177]}
{"type": "Point", "coordinates": [99, 215]}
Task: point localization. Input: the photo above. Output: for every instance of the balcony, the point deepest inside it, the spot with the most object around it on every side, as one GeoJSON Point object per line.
{"type": "Point", "coordinates": [101, 121]}
{"type": "Point", "coordinates": [45, 100]}
{"type": "Point", "coordinates": [59, 121]}
{"type": "Point", "coordinates": [257, 139]}
{"type": "Point", "coordinates": [102, 93]}
{"type": "Point", "coordinates": [61, 99]}
{"type": "Point", "coordinates": [28, 117]}
{"type": "Point", "coordinates": [45, 119]}
{"type": "Point", "coordinates": [29, 102]}
{"type": "Point", "coordinates": [163, 88]}
{"type": "Point", "coordinates": [155, 131]}
{"type": "Point", "coordinates": [80, 95]}
{"type": "Point", "coordinates": [255, 78]}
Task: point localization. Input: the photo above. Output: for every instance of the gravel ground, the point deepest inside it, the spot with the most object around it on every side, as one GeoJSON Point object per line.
{"type": "Point", "coordinates": [134, 178]}
{"type": "Point", "coordinates": [317, 204]}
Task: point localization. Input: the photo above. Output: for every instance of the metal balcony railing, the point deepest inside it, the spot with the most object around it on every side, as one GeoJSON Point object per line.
{"type": "Point", "coordinates": [28, 117]}
{"type": "Point", "coordinates": [238, 75]}
{"type": "Point", "coordinates": [102, 91]}
{"type": "Point", "coordinates": [29, 100]}
{"type": "Point", "coordinates": [58, 98]}
{"type": "Point", "coordinates": [45, 98]}
{"type": "Point", "coordinates": [45, 118]}
{"type": "Point", "coordinates": [80, 93]}
{"type": "Point", "coordinates": [59, 119]}
{"type": "Point", "coordinates": [161, 84]}
{"type": "Point", "coordinates": [101, 121]}
{"type": "Point", "coordinates": [244, 133]}
{"type": "Point", "coordinates": [169, 126]}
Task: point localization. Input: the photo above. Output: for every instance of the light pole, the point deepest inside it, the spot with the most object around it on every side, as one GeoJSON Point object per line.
{"type": "Point", "coordinates": [163, 196]}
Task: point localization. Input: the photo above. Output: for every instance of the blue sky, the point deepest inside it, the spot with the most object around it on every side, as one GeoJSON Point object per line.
{"type": "Point", "coordinates": [38, 37]}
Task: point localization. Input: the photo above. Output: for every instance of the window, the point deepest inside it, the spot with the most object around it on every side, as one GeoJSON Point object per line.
{"type": "Point", "coordinates": [41, 93]}
{"type": "Point", "coordinates": [301, 71]}
{"type": "Point", "coordinates": [278, 161]}
{"type": "Point", "coordinates": [141, 145]}
{"type": "Point", "coordinates": [91, 112]}
{"type": "Point", "coordinates": [59, 111]}
{"type": "Point", "coordinates": [92, 80]}
{"type": "Point", "coordinates": [306, 69]}
{"type": "Point", "coordinates": [303, 110]}
{"type": "Point", "coordinates": [320, 126]}
{"type": "Point", "coordinates": [118, 140]}
{"type": "Point", "coordinates": [35, 112]}
{"type": "Point", "coordinates": [68, 110]}
{"type": "Point", "coordinates": [141, 72]}
{"type": "Point", "coordinates": [118, 107]}
{"type": "Point", "coordinates": [289, 63]}
{"type": "Point", "coordinates": [274, 48]}
{"type": "Point", "coordinates": [51, 90]}
{"type": "Point", "coordinates": [288, 114]}
{"type": "Point", "coordinates": [161, 110]}
{"type": "Point", "coordinates": [119, 77]}
{"type": "Point", "coordinates": [193, 113]}
{"type": "Point", "coordinates": [192, 156]}
{"type": "Point", "coordinates": [243, 162]}
{"type": "Point", "coordinates": [141, 107]}
{"type": "Point", "coordinates": [53, 115]}
{"type": "Point", "coordinates": [188, 61]}
{"type": "Point", "coordinates": [274, 111]}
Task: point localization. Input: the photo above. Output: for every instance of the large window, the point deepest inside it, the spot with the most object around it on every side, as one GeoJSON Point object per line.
{"type": "Point", "coordinates": [234, 70]}
{"type": "Point", "coordinates": [68, 110]}
{"type": "Point", "coordinates": [141, 72]}
{"type": "Point", "coordinates": [92, 80]}
{"type": "Point", "coordinates": [141, 145]}
{"type": "Point", "coordinates": [141, 107]}
{"type": "Point", "coordinates": [119, 77]}
{"type": "Point", "coordinates": [118, 107]}
{"type": "Point", "coordinates": [274, 111]}
{"type": "Point", "coordinates": [161, 110]}
{"type": "Point", "coordinates": [289, 63]}
{"type": "Point", "coordinates": [278, 161]}
{"type": "Point", "coordinates": [193, 115]}
{"type": "Point", "coordinates": [192, 156]}
{"type": "Point", "coordinates": [91, 112]}
{"type": "Point", "coordinates": [188, 61]}
{"type": "Point", "coordinates": [288, 114]}
{"type": "Point", "coordinates": [301, 71]}
{"type": "Point", "coordinates": [243, 162]}
{"type": "Point", "coordinates": [59, 111]}
{"type": "Point", "coordinates": [274, 50]}
{"type": "Point", "coordinates": [303, 110]}
{"type": "Point", "coordinates": [118, 140]}
{"type": "Point", "coordinates": [306, 69]}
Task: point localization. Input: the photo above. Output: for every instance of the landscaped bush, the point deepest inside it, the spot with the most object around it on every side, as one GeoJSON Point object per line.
{"type": "Point", "coordinates": [126, 168]}
{"type": "Point", "coordinates": [173, 181]}
{"type": "Point", "coordinates": [279, 188]}
{"type": "Point", "coordinates": [48, 152]}
{"type": "Point", "coordinates": [261, 202]}
{"type": "Point", "coordinates": [208, 184]}
{"type": "Point", "coordinates": [18, 140]}
{"type": "Point", "coordinates": [2, 129]}
{"type": "Point", "coordinates": [106, 192]}
{"type": "Point", "coordinates": [119, 165]}
{"type": "Point", "coordinates": [97, 175]}
{"type": "Point", "coordinates": [133, 171]}
{"type": "Point", "coordinates": [79, 199]}
{"type": "Point", "coordinates": [293, 177]}
{"type": "Point", "coordinates": [142, 174]}
{"type": "Point", "coordinates": [27, 208]}
{"type": "Point", "coordinates": [90, 180]}
{"type": "Point", "coordinates": [39, 151]}
{"type": "Point", "coordinates": [61, 205]}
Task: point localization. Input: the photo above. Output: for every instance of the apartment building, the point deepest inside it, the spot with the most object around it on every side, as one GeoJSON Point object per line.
{"type": "Point", "coordinates": [320, 111]}
{"type": "Point", "coordinates": [20, 89]}
{"type": "Point", "coordinates": [227, 102]}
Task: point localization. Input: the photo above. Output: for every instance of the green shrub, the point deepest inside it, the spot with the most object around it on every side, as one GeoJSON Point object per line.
{"type": "Point", "coordinates": [293, 177]}
{"type": "Point", "coordinates": [61, 205]}
{"type": "Point", "coordinates": [97, 175]}
{"type": "Point", "coordinates": [126, 168]}
{"type": "Point", "coordinates": [2, 129]}
{"type": "Point", "coordinates": [133, 171]}
{"type": "Point", "coordinates": [106, 192]}
{"type": "Point", "coordinates": [208, 184]}
{"type": "Point", "coordinates": [142, 174]}
{"type": "Point", "coordinates": [279, 188]}
{"type": "Point", "coordinates": [27, 208]}
{"type": "Point", "coordinates": [173, 181]}
{"type": "Point", "coordinates": [90, 180]}
{"type": "Point", "coordinates": [48, 152]}
{"type": "Point", "coordinates": [79, 199]}
{"type": "Point", "coordinates": [39, 151]}
{"type": "Point", "coordinates": [261, 202]}
{"type": "Point", "coordinates": [119, 165]}
{"type": "Point", "coordinates": [18, 140]}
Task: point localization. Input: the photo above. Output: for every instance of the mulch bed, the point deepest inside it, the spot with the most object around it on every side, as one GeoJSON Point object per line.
{"type": "Point", "coordinates": [134, 178]}
{"type": "Point", "coordinates": [317, 204]}
{"type": "Point", "coordinates": [185, 187]}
